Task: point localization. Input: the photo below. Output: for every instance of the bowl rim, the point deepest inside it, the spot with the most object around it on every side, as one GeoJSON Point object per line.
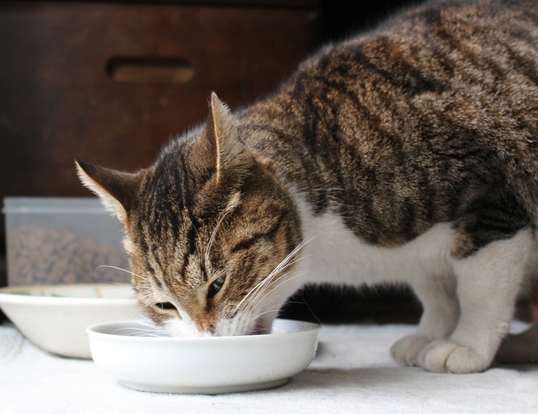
{"type": "Point", "coordinates": [8, 297]}
{"type": "Point", "coordinates": [312, 327]}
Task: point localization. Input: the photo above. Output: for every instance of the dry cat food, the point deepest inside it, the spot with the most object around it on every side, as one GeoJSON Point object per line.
{"type": "Point", "coordinates": [41, 255]}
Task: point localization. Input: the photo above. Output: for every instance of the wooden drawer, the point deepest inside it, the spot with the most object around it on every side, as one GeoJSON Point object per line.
{"type": "Point", "coordinates": [112, 82]}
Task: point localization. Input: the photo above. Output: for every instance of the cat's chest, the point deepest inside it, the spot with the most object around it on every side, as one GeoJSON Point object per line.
{"type": "Point", "coordinates": [336, 255]}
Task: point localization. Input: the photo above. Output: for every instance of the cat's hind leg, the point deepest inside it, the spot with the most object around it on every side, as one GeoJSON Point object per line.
{"type": "Point", "coordinates": [487, 285]}
{"type": "Point", "coordinates": [441, 313]}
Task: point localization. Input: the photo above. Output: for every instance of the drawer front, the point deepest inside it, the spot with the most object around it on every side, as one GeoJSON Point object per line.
{"type": "Point", "coordinates": [112, 83]}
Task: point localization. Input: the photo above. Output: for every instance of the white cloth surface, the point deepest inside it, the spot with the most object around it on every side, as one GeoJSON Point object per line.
{"type": "Point", "coordinates": [352, 373]}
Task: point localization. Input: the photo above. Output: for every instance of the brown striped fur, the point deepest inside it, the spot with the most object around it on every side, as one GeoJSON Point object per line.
{"type": "Point", "coordinates": [431, 118]}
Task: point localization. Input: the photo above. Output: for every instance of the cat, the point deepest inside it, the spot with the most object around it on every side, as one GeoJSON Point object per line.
{"type": "Point", "coordinates": [406, 154]}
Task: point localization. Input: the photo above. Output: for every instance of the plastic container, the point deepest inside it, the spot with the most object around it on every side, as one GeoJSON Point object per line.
{"type": "Point", "coordinates": [53, 240]}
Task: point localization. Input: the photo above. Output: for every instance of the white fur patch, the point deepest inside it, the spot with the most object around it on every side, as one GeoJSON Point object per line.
{"type": "Point", "coordinates": [337, 256]}
{"type": "Point", "coordinates": [184, 326]}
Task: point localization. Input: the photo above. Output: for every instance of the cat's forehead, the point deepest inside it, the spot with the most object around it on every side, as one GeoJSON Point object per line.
{"type": "Point", "coordinates": [174, 178]}
{"type": "Point", "coordinates": [171, 200]}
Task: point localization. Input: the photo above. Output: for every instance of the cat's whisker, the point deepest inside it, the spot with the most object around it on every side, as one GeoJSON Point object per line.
{"type": "Point", "coordinates": [149, 335]}
{"type": "Point", "coordinates": [130, 328]}
{"type": "Point", "coordinates": [258, 289]}
{"type": "Point", "coordinates": [259, 297]}
{"type": "Point", "coordinates": [273, 273]}
{"type": "Point", "coordinates": [148, 323]}
{"type": "Point", "coordinates": [264, 281]}
{"type": "Point", "coordinates": [259, 300]}
{"type": "Point", "coordinates": [286, 262]}
{"type": "Point", "coordinates": [138, 331]}
{"type": "Point", "coordinates": [118, 268]}
{"type": "Point", "coordinates": [265, 312]}
{"type": "Point", "coordinates": [246, 322]}
{"type": "Point", "coordinates": [253, 302]}
{"type": "Point", "coordinates": [213, 235]}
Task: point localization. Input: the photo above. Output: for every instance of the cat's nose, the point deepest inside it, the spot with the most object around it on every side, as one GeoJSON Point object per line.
{"type": "Point", "coordinates": [206, 326]}
{"type": "Point", "coordinates": [210, 329]}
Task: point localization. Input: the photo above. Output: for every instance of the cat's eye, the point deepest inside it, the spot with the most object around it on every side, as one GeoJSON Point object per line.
{"type": "Point", "coordinates": [215, 287]}
{"type": "Point", "coordinates": [165, 306]}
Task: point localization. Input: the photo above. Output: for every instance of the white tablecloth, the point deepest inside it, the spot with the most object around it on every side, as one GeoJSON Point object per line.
{"type": "Point", "coordinates": [352, 373]}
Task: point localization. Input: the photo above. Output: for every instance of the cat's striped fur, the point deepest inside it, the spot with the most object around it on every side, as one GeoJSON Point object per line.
{"type": "Point", "coordinates": [409, 153]}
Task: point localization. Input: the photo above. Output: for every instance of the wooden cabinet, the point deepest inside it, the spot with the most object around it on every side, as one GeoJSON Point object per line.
{"type": "Point", "coordinates": [112, 82]}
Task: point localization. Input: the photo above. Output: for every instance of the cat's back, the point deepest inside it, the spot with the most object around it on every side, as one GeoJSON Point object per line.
{"type": "Point", "coordinates": [445, 49]}
{"type": "Point", "coordinates": [446, 67]}
{"type": "Point", "coordinates": [429, 112]}
{"type": "Point", "coordinates": [449, 68]}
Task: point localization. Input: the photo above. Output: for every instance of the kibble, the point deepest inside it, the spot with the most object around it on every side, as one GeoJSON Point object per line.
{"type": "Point", "coordinates": [41, 255]}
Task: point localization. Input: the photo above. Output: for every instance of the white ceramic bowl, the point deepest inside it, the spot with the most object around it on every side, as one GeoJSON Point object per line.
{"type": "Point", "coordinates": [203, 365]}
{"type": "Point", "coordinates": [55, 317]}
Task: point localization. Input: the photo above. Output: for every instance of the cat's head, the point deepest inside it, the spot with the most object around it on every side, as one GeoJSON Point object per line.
{"type": "Point", "coordinates": [213, 237]}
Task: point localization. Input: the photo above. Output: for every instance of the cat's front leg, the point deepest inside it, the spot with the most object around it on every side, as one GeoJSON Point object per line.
{"type": "Point", "coordinates": [441, 313]}
{"type": "Point", "coordinates": [487, 284]}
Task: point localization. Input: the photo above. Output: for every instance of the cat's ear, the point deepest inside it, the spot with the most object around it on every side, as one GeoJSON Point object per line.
{"type": "Point", "coordinates": [117, 190]}
{"type": "Point", "coordinates": [220, 146]}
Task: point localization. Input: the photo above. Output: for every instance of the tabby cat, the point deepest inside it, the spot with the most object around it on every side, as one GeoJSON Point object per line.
{"type": "Point", "coordinates": [406, 154]}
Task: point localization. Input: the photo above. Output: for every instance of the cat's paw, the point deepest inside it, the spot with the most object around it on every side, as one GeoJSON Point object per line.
{"type": "Point", "coordinates": [406, 350]}
{"type": "Point", "coordinates": [447, 356]}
